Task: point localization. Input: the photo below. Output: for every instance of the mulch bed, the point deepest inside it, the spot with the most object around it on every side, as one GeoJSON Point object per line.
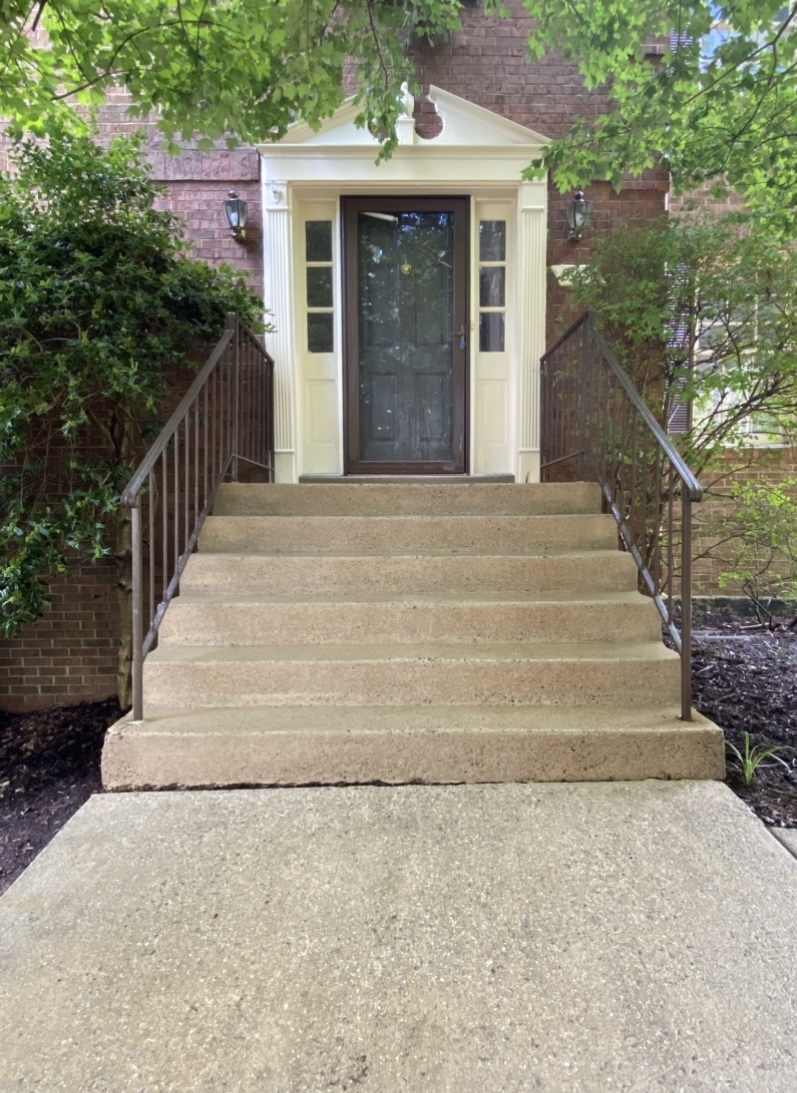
{"type": "Point", "coordinates": [744, 679]}
{"type": "Point", "coordinates": [49, 767]}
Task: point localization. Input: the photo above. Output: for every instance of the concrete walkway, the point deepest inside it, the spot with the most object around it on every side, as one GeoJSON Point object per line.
{"type": "Point", "coordinates": [471, 939]}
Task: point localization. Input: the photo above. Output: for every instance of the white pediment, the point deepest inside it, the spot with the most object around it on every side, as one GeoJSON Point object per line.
{"type": "Point", "coordinates": [468, 125]}
{"type": "Point", "coordinates": [338, 132]}
{"type": "Point", "coordinates": [464, 125]}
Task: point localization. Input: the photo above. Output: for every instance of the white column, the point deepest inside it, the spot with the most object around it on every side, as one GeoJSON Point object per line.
{"type": "Point", "coordinates": [532, 258]}
{"type": "Point", "coordinates": [279, 298]}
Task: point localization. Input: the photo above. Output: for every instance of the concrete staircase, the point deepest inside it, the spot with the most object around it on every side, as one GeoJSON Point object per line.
{"type": "Point", "coordinates": [409, 633]}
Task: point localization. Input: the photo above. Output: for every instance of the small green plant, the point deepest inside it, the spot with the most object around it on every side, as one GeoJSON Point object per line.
{"type": "Point", "coordinates": [752, 757]}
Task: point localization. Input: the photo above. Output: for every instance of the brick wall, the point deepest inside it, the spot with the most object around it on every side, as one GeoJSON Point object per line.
{"type": "Point", "coordinates": [196, 185]}
{"type": "Point", "coordinates": [70, 654]}
{"type": "Point", "coordinates": [697, 201]}
{"type": "Point", "coordinates": [487, 63]}
{"type": "Point", "coordinates": [640, 200]}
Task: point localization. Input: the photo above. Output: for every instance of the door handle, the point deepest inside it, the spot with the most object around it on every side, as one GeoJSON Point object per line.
{"type": "Point", "coordinates": [462, 341]}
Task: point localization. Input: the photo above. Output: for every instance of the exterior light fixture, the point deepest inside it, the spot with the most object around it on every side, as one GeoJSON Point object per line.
{"type": "Point", "coordinates": [578, 213]}
{"type": "Point", "coordinates": [235, 211]}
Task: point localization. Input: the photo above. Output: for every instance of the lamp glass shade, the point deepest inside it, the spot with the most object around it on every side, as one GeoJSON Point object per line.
{"type": "Point", "coordinates": [578, 212]}
{"type": "Point", "coordinates": [235, 210]}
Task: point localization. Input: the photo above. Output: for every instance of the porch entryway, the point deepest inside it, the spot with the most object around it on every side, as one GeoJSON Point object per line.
{"type": "Point", "coordinates": [408, 297]}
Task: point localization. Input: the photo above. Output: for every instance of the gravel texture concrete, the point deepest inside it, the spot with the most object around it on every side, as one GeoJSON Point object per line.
{"type": "Point", "coordinates": [457, 939]}
{"type": "Point", "coordinates": [402, 674]}
{"type": "Point", "coordinates": [788, 837]}
{"type": "Point", "coordinates": [407, 534]}
{"type": "Point", "coordinates": [403, 497]}
{"type": "Point", "coordinates": [407, 745]}
{"type": "Point", "coordinates": [262, 620]}
{"type": "Point", "coordinates": [575, 571]}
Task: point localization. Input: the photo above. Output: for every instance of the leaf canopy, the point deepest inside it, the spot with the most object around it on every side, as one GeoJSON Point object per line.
{"type": "Point", "coordinates": [710, 88]}
{"type": "Point", "coordinates": [244, 68]}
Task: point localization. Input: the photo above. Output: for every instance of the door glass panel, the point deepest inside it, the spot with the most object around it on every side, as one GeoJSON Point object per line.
{"type": "Point", "coordinates": [492, 286]}
{"type": "Point", "coordinates": [319, 286]}
{"type": "Point", "coordinates": [491, 332]}
{"type": "Point", "coordinates": [319, 332]}
{"type": "Point", "coordinates": [318, 240]}
{"type": "Point", "coordinates": [405, 273]}
{"type": "Point", "coordinates": [492, 241]}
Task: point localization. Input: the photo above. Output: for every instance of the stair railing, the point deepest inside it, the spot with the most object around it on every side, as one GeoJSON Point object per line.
{"type": "Point", "coordinates": [595, 424]}
{"type": "Point", "coordinates": [225, 418]}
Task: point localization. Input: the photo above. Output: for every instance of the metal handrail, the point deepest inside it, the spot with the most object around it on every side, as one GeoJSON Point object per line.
{"type": "Point", "coordinates": [145, 467]}
{"type": "Point", "coordinates": [690, 482]}
{"type": "Point", "coordinates": [224, 419]}
{"type": "Point", "coordinates": [593, 417]}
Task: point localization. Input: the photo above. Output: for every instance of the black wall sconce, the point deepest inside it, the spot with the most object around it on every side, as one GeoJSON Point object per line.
{"type": "Point", "coordinates": [235, 210]}
{"type": "Point", "coordinates": [578, 214]}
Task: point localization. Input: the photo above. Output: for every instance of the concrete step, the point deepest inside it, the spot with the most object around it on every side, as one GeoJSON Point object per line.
{"type": "Point", "coordinates": [407, 534]}
{"type": "Point", "coordinates": [406, 479]}
{"type": "Point", "coordinates": [571, 571]}
{"type": "Point", "coordinates": [510, 617]}
{"type": "Point", "coordinates": [419, 631]}
{"type": "Point", "coordinates": [305, 745]}
{"type": "Point", "coordinates": [575, 673]}
{"type": "Point", "coordinates": [412, 499]}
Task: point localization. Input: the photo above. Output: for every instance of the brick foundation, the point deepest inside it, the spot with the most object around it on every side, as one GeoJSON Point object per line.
{"type": "Point", "coordinates": [70, 654]}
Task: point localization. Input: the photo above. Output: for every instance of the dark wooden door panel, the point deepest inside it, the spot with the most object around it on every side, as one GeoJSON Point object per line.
{"type": "Point", "coordinates": [406, 284]}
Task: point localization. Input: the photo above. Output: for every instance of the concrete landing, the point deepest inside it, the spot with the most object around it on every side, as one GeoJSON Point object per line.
{"type": "Point", "coordinates": [627, 936]}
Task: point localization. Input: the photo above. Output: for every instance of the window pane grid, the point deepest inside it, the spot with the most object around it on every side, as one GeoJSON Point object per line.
{"type": "Point", "coordinates": [319, 286]}
{"type": "Point", "coordinates": [492, 286]}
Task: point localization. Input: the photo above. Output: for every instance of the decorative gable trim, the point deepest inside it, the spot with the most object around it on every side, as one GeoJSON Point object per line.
{"type": "Point", "coordinates": [488, 147]}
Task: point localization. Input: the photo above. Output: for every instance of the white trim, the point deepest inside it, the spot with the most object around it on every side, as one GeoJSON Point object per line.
{"type": "Point", "coordinates": [564, 273]}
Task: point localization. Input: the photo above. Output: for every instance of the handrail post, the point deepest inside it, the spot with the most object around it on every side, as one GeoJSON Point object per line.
{"type": "Point", "coordinates": [272, 458]}
{"type": "Point", "coordinates": [582, 402]}
{"type": "Point", "coordinates": [232, 321]}
{"type": "Point", "coordinates": [138, 618]}
{"type": "Point", "coordinates": [686, 605]}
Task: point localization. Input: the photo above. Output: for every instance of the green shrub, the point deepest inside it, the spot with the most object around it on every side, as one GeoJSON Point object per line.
{"type": "Point", "coordinates": [99, 307]}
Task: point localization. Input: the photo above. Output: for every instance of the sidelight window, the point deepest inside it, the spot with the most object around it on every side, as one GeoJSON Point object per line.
{"type": "Point", "coordinates": [318, 260]}
{"type": "Point", "coordinates": [492, 286]}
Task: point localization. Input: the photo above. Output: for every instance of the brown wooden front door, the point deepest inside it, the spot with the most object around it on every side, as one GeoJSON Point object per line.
{"type": "Point", "coordinates": [406, 266]}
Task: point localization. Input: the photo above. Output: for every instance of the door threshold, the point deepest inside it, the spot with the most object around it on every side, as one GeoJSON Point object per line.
{"type": "Point", "coordinates": [422, 479]}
